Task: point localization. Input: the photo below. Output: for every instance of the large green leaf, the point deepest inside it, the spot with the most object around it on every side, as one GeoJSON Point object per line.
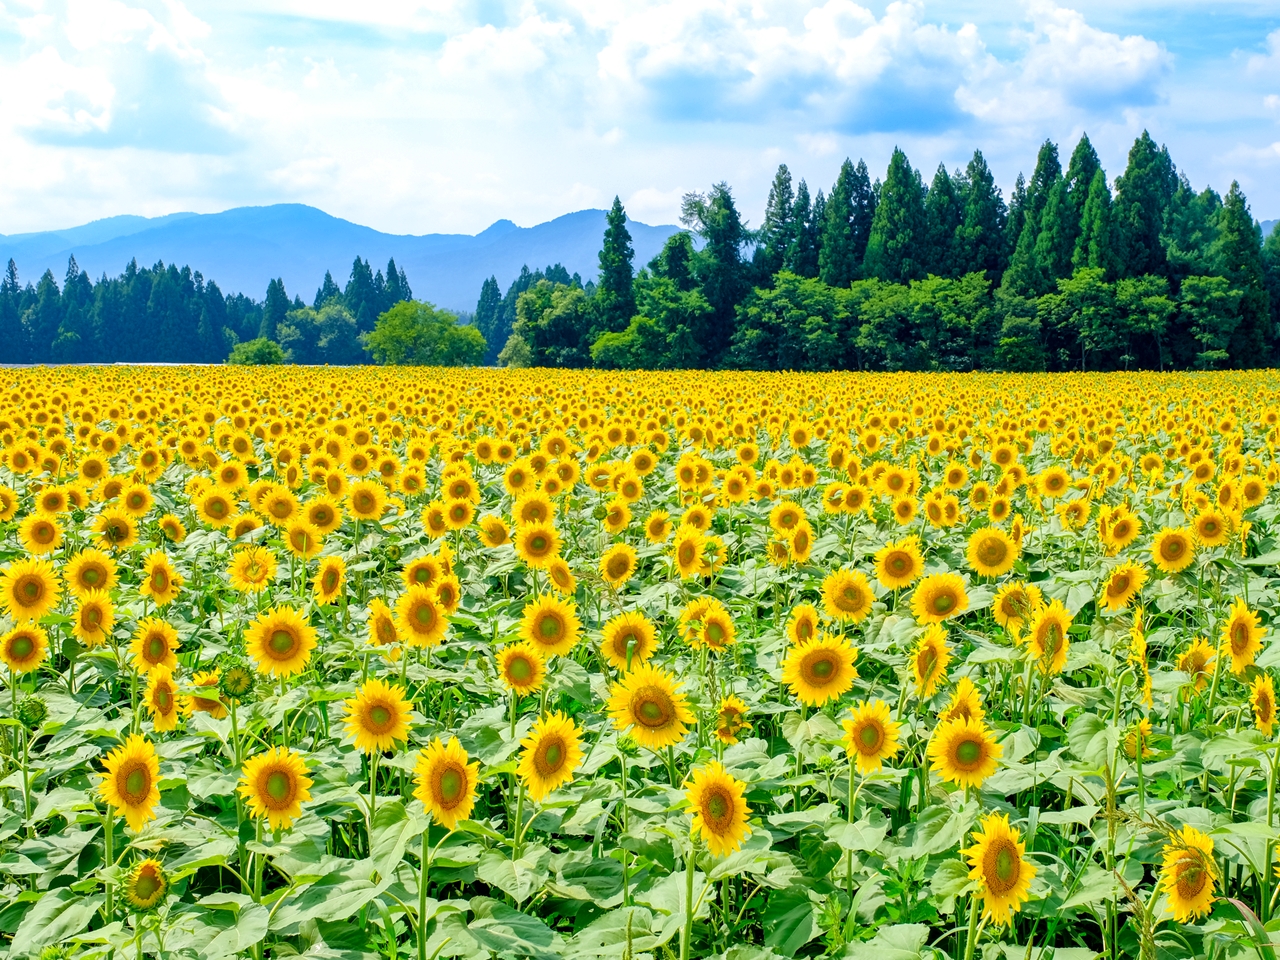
{"type": "Point", "coordinates": [57, 915]}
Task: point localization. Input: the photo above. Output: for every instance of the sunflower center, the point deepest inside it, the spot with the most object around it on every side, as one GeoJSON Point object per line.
{"type": "Point", "coordinates": [450, 786]}
{"type": "Point", "coordinates": [1118, 586]}
{"type": "Point", "coordinates": [820, 668]}
{"type": "Point", "coordinates": [1239, 638]}
{"type": "Point", "coordinates": [520, 670]}
{"type": "Point", "coordinates": [386, 631]}
{"type": "Point", "coordinates": [156, 648]}
{"type": "Point", "coordinates": [164, 700]}
{"type": "Point", "coordinates": [1172, 549]}
{"type": "Point", "coordinates": [943, 602]}
{"type": "Point", "coordinates": [718, 809]}
{"type": "Point", "coordinates": [897, 564]}
{"type": "Point", "coordinates": [715, 634]}
{"type": "Point", "coordinates": [31, 590]}
{"type": "Point", "coordinates": [927, 660]}
{"type": "Point", "coordinates": [379, 717]}
{"type": "Point", "coordinates": [550, 628]}
{"type": "Point", "coordinates": [653, 708]}
{"type": "Point", "coordinates": [159, 580]}
{"type": "Point", "coordinates": [90, 577]}
{"type": "Point", "coordinates": [1001, 873]}
{"type": "Point", "coordinates": [870, 738]}
{"type": "Point", "coordinates": [968, 753]}
{"type": "Point", "coordinates": [137, 784]}
{"type": "Point", "coordinates": [278, 785]}
{"type": "Point", "coordinates": [330, 580]}
{"type": "Point", "coordinates": [1191, 878]}
{"type": "Point", "coordinates": [21, 647]}
{"type": "Point", "coordinates": [146, 886]}
{"type": "Point", "coordinates": [281, 642]}
{"type": "Point", "coordinates": [552, 757]}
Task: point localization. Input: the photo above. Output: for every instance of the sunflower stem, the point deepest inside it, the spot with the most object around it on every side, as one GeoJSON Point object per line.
{"type": "Point", "coordinates": [686, 935]}
{"type": "Point", "coordinates": [109, 838]}
{"type": "Point", "coordinates": [422, 896]}
{"type": "Point", "coordinates": [516, 836]}
{"type": "Point", "coordinates": [374, 757]}
{"type": "Point", "coordinates": [971, 940]}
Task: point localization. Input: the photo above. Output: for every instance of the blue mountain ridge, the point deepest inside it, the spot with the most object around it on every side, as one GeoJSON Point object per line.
{"type": "Point", "coordinates": [242, 249]}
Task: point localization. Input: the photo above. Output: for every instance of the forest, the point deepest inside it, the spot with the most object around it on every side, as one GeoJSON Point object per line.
{"type": "Point", "coordinates": [1075, 271]}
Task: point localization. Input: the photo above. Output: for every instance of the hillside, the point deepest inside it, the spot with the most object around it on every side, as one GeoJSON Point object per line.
{"type": "Point", "coordinates": [244, 248]}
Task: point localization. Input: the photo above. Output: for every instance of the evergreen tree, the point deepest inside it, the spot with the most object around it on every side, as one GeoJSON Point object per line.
{"type": "Point", "coordinates": [1096, 245]}
{"type": "Point", "coordinates": [1056, 241]}
{"type": "Point", "coordinates": [1017, 218]}
{"type": "Point", "coordinates": [718, 266]}
{"type": "Point", "coordinates": [675, 261]}
{"type": "Point", "coordinates": [1190, 230]}
{"type": "Point", "coordinates": [838, 259]}
{"type": "Point", "coordinates": [273, 310]}
{"type": "Point", "coordinates": [327, 291]}
{"type": "Point", "coordinates": [777, 233]}
{"type": "Point", "coordinates": [1024, 275]}
{"type": "Point", "coordinates": [819, 218]}
{"type": "Point", "coordinates": [43, 317]}
{"type": "Point", "coordinates": [1079, 176]}
{"type": "Point", "coordinates": [397, 288]}
{"type": "Point", "coordinates": [801, 257]}
{"type": "Point", "coordinates": [13, 341]}
{"type": "Point", "coordinates": [899, 231]}
{"type": "Point", "coordinates": [980, 245]}
{"type": "Point", "coordinates": [1143, 195]}
{"type": "Point", "coordinates": [864, 212]}
{"type": "Point", "coordinates": [615, 299]}
{"type": "Point", "coordinates": [489, 311]}
{"type": "Point", "coordinates": [1238, 252]}
{"type": "Point", "coordinates": [362, 296]}
{"type": "Point", "coordinates": [1271, 274]}
{"type": "Point", "coordinates": [944, 215]}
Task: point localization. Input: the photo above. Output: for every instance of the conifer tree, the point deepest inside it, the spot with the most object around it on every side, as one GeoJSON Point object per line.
{"type": "Point", "coordinates": [944, 217]}
{"type": "Point", "coordinates": [898, 232]}
{"type": "Point", "coordinates": [1142, 199]}
{"type": "Point", "coordinates": [802, 255]}
{"type": "Point", "coordinates": [1238, 252]}
{"type": "Point", "coordinates": [980, 244]}
{"type": "Point", "coordinates": [274, 309]}
{"type": "Point", "coordinates": [1096, 245]}
{"type": "Point", "coordinates": [777, 233]}
{"type": "Point", "coordinates": [615, 299]}
{"type": "Point", "coordinates": [1024, 276]}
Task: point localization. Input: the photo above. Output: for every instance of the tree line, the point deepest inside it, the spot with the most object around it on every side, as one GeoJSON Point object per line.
{"type": "Point", "coordinates": [1073, 272]}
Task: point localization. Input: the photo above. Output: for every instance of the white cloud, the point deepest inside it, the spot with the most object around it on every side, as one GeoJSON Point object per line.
{"type": "Point", "coordinates": [489, 51]}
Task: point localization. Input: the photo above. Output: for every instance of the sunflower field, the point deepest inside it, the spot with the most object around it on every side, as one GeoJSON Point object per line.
{"type": "Point", "coordinates": [425, 663]}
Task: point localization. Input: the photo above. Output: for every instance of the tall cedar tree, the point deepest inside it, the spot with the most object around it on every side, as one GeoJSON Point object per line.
{"type": "Point", "coordinates": [1080, 170]}
{"type": "Point", "coordinates": [719, 267]}
{"type": "Point", "coordinates": [1271, 273]}
{"type": "Point", "coordinates": [1239, 255]}
{"type": "Point", "coordinates": [1143, 195]}
{"type": "Point", "coordinates": [845, 226]}
{"type": "Point", "coordinates": [898, 232]}
{"type": "Point", "coordinates": [979, 241]}
{"type": "Point", "coordinates": [489, 311]}
{"type": "Point", "coordinates": [274, 309]}
{"type": "Point", "coordinates": [615, 295]}
{"type": "Point", "coordinates": [1024, 276]}
{"type": "Point", "coordinates": [1096, 245]}
{"type": "Point", "coordinates": [777, 232]}
{"type": "Point", "coordinates": [802, 254]}
{"type": "Point", "coordinates": [944, 215]}
{"type": "Point", "coordinates": [327, 291]}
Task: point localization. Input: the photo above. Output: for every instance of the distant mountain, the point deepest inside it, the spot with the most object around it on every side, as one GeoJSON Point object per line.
{"type": "Point", "coordinates": [244, 248]}
{"type": "Point", "coordinates": [1267, 227]}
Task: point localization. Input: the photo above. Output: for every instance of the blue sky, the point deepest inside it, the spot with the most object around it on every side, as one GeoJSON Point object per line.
{"type": "Point", "coordinates": [421, 116]}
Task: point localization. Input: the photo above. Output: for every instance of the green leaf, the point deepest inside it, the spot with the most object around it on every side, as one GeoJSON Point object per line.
{"type": "Point", "coordinates": [57, 915]}
{"type": "Point", "coordinates": [1092, 740]}
{"type": "Point", "coordinates": [336, 896]}
{"type": "Point", "coordinates": [902, 941]}
{"type": "Point", "coordinates": [607, 936]}
{"type": "Point", "coordinates": [790, 920]}
{"type": "Point", "coordinates": [519, 879]}
{"type": "Point", "coordinates": [508, 932]}
{"type": "Point", "coordinates": [865, 834]}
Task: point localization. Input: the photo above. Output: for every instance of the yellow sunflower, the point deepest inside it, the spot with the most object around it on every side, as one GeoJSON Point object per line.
{"type": "Point", "coordinates": [160, 581]}
{"type": "Point", "coordinates": [731, 719]}
{"type": "Point", "coordinates": [252, 569]}
{"type": "Point", "coordinates": [420, 621]}
{"type": "Point", "coordinates": [446, 782]}
{"type": "Point", "coordinates": [1262, 697]}
{"type": "Point", "coordinates": [1188, 874]}
{"type": "Point", "coordinates": [871, 735]}
{"type": "Point", "coordinates": [991, 552]}
{"type": "Point", "coordinates": [377, 716]}
{"type": "Point", "coordinates": [24, 647]}
{"type": "Point", "coordinates": [302, 539]}
{"type": "Point", "coordinates": [39, 534]}
{"type": "Point", "coordinates": [999, 865]}
{"type": "Point", "coordinates": [1123, 584]}
{"type": "Point", "coordinates": [146, 885]}
{"type": "Point", "coordinates": [550, 624]}
{"type": "Point", "coordinates": [1241, 636]}
{"type": "Point", "coordinates": [95, 617]}
{"type": "Point", "coordinates": [492, 531]}
{"type": "Point", "coordinates": [847, 596]}
{"type": "Point", "coordinates": [929, 660]}
{"type": "Point", "coordinates": [648, 702]}
{"type": "Point", "coordinates": [802, 625]}
{"type": "Point", "coordinates": [820, 669]}
{"type": "Point", "coordinates": [965, 703]}
{"type": "Point", "coordinates": [154, 644]}
{"type": "Point", "coordinates": [549, 755]}
{"type": "Point", "coordinates": [537, 544]}
{"type": "Point", "coordinates": [1212, 528]}
{"type": "Point", "coordinates": [1015, 605]}
{"type": "Point", "coordinates": [382, 625]}
{"type": "Point", "coordinates": [1048, 638]}
{"type": "Point", "coordinates": [200, 703]}
{"type": "Point", "coordinates": [1196, 662]}
{"type": "Point", "coordinates": [629, 640]}
{"type": "Point", "coordinates": [215, 509]}
{"type": "Point", "coordinates": [275, 785]}
{"type": "Point", "coordinates": [131, 781]}
{"type": "Point", "coordinates": [964, 752]}
{"type": "Point", "coordinates": [90, 569]}
{"type": "Point", "coordinates": [718, 808]}
{"type": "Point", "coordinates": [899, 563]}
{"type": "Point", "coordinates": [280, 641]}
{"type": "Point", "coordinates": [29, 589]}
{"type": "Point", "coordinates": [618, 564]}
{"type": "Point", "coordinates": [1173, 550]}
{"type": "Point", "coordinates": [561, 577]}
{"type": "Point", "coordinates": [367, 500]}
{"type": "Point", "coordinates": [687, 548]}
{"type": "Point", "coordinates": [331, 575]}
{"type": "Point", "coordinates": [522, 667]}
{"type": "Point", "coordinates": [163, 701]}
{"type": "Point", "coordinates": [938, 597]}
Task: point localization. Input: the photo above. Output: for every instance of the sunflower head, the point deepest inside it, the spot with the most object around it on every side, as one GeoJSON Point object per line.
{"type": "Point", "coordinates": [280, 641]}
{"type": "Point", "coordinates": [145, 885]}
{"type": "Point", "coordinates": [29, 589]}
{"type": "Point", "coordinates": [964, 752]}
{"type": "Point", "coordinates": [899, 563]}
{"type": "Point", "coordinates": [274, 785]}
{"type": "Point", "coordinates": [549, 755]}
{"type": "Point", "coordinates": [929, 660]}
{"type": "Point", "coordinates": [1189, 874]}
{"type": "Point", "coordinates": [24, 648]}
{"type": "Point", "coordinates": [378, 716]}
{"type": "Point", "coordinates": [847, 596]}
{"type": "Point", "coordinates": [647, 701]}
{"type": "Point", "coordinates": [939, 597]}
{"type": "Point", "coordinates": [999, 866]}
{"type": "Point", "coordinates": [130, 781]}
{"type": "Point", "coordinates": [731, 719]}
{"type": "Point", "coordinates": [820, 669]}
{"type": "Point", "coordinates": [871, 735]}
{"type": "Point", "coordinates": [446, 782]}
{"type": "Point", "coordinates": [629, 640]}
{"type": "Point", "coordinates": [551, 624]}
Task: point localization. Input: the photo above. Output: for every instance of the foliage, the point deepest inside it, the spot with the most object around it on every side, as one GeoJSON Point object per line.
{"type": "Point", "coordinates": [416, 333]}
{"type": "Point", "coordinates": [256, 353]}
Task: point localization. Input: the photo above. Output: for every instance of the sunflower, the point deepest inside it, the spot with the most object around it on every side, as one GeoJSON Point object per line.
{"type": "Point", "coordinates": [448, 591]}
{"type": "Point", "coordinates": [537, 544]}
{"type": "Point", "coordinates": [235, 679]}
{"type": "Point", "coordinates": [90, 569]}
{"type": "Point", "coordinates": [423, 571]}
{"type": "Point", "coordinates": [522, 667]}
{"type": "Point", "coordinates": [802, 625]}
{"type": "Point", "coordinates": [377, 716]}
{"type": "Point", "coordinates": [648, 701]}
{"type": "Point", "coordinates": [215, 509]}
{"type": "Point", "coordinates": [1212, 528]}
{"type": "Point", "coordinates": [116, 529]}
{"type": "Point", "coordinates": [39, 534]}
{"type": "Point", "coordinates": [618, 564]}
{"type": "Point", "coordinates": [29, 589]}
{"type": "Point", "coordinates": [279, 506]}
{"type": "Point", "coordinates": [154, 644]}
{"type": "Point", "coordinates": [367, 500]}
{"type": "Point", "coordinates": [24, 648]}
{"type": "Point", "coordinates": [1000, 868]}
{"type": "Point", "coordinates": [275, 785]}
{"type": "Point", "coordinates": [687, 547]}
{"type": "Point", "coordinates": [965, 703]}
{"type": "Point", "coordinates": [549, 755]}
{"type": "Point", "coordinates": [1138, 734]}
{"type": "Point", "coordinates": [146, 885]}
{"type": "Point", "coordinates": [1173, 550]}
{"type": "Point", "coordinates": [991, 552]}
{"type": "Point", "coordinates": [302, 539]}
{"type": "Point", "coordinates": [1048, 637]}
{"type": "Point", "coordinates": [1123, 584]}
{"type": "Point", "coordinates": [731, 719]}
{"type": "Point", "coordinates": [173, 528]}
{"type": "Point", "coordinates": [820, 669]}
{"type": "Point", "coordinates": [963, 751]}
{"type": "Point", "coordinates": [657, 527]}
{"type": "Point", "coordinates": [446, 782]}
{"type": "Point", "coordinates": [938, 597]}
{"type": "Point", "coordinates": [1241, 636]}
{"type": "Point", "coordinates": [163, 700]}
{"type": "Point", "coordinates": [330, 577]}
{"type": "Point", "coordinates": [1015, 605]}
{"type": "Point", "coordinates": [160, 581]}
{"type": "Point", "coordinates": [1196, 662]}
{"type": "Point", "coordinates": [550, 624]}
{"type": "Point", "coordinates": [280, 641]}
{"type": "Point", "coordinates": [198, 703]}
{"type": "Point", "coordinates": [871, 735]}
{"type": "Point", "coordinates": [252, 569]}
{"type": "Point", "coordinates": [629, 639]}
{"type": "Point", "coordinates": [1189, 873]}
{"type": "Point", "coordinates": [847, 596]}
{"type": "Point", "coordinates": [94, 618]}
{"type": "Point", "coordinates": [929, 660]}
{"type": "Point", "coordinates": [419, 620]}
{"type": "Point", "coordinates": [562, 577]}
{"type": "Point", "coordinates": [492, 531]}
{"type": "Point", "coordinates": [131, 781]}
{"type": "Point", "coordinates": [136, 500]}
{"type": "Point", "coordinates": [382, 625]}
{"type": "Point", "coordinates": [324, 513]}
{"type": "Point", "coordinates": [718, 808]}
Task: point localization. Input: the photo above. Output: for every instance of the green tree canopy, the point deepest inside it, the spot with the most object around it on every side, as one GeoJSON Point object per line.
{"type": "Point", "coordinates": [416, 333]}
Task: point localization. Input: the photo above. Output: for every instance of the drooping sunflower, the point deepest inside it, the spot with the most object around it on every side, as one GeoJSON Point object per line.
{"type": "Point", "coordinates": [999, 865]}
{"type": "Point", "coordinates": [1262, 697]}
{"type": "Point", "coordinates": [275, 785]}
{"type": "Point", "coordinates": [550, 624]}
{"type": "Point", "coordinates": [522, 667]}
{"type": "Point", "coordinates": [731, 719]}
{"type": "Point", "coordinates": [549, 755]}
{"type": "Point", "coordinates": [991, 552]}
{"type": "Point", "coordinates": [561, 577]}
{"type": "Point", "coordinates": [90, 569]}
{"type": "Point", "coordinates": [648, 702]}
{"type": "Point", "coordinates": [929, 660]}
{"type": "Point", "coordinates": [446, 782]}
{"type": "Point", "coordinates": [160, 581]}
{"type": "Point", "coordinates": [154, 644]}
{"type": "Point", "coordinates": [871, 735]}
{"type": "Point", "coordinates": [618, 564]}
{"type": "Point", "coordinates": [629, 640]}
{"type": "Point", "coordinates": [146, 885]}
{"type": "Point", "coordinates": [419, 620]}
{"type": "Point", "coordinates": [718, 808]}
{"type": "Point", "coordinates": [820, 669]}
{"type": "Point", "coordinates": [24, 647]}
{"type": "Point", "coordinates": [847, 596]}
{"type": "Point", "coordinates": [492, 531]}
{"type": "Point", "coordinates": [94, 618]}
{"type": "Point", "coordinates": [802, 625]}
{"type": "Point", "coordinates": [1048, 638]}
{"type": "Point", "coordinates": [378, 716]}
{"type": "Point", "coordinates": [1138, 737]}
{"type": "Point", "coordinates": [252, 569]}
{"type": "Point", "coordinates": [687, 547]}
{"type": "Point", "coordinates": [938, 597]}
{"type": "Point", "coordinates": [965, 703]}
{"type": "Point", "coordinates": [1123, 584]}
{"type": "Point", "coordinates": [964, 752]}
{"type": "Point", "coordinates": [1015, 605]}
{"type": "Point", "coordinates": [1241, 636]}
{"type": "Point", "coordinates": [280, 641]}
{"type": "Point", "coordinates": [1196, 662]}
{"type": "Point", "coordinates": [29, 589]}
{"type": "Point", "coordinates": [203, 680]}
{"type": "Point", "coordinates": [1189, 873]}
{"type": "Point", "coordinates": [39, 534]}
{"type": "Point", "coordinates": [537, 544]}
{"type": "Point", "coordinates": [382, 625]}
{"type": "Point", "coordinates": [162, 699]}
{"type": "Point", "coordinates": [131, 781]}
{"type": "Point", "coordinates": [1172, 550]}
{"type": "Point", "coordinates": [330, 576]}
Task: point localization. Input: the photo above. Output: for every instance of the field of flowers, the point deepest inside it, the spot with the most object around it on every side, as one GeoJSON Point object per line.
{"type": "Point", "coordinates": [406, 663]}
